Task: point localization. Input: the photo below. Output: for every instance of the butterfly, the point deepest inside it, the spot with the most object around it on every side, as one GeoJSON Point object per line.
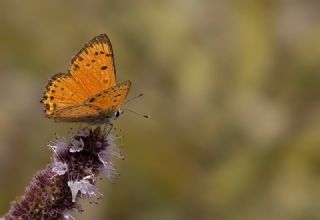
{"type": "Point", "coordinates": [89, 91]}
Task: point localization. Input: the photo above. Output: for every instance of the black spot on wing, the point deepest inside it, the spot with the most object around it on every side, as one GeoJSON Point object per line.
{"type": "Point", "coordinates": [91, 99]}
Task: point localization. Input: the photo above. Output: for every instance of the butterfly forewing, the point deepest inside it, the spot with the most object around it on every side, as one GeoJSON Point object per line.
{"type": "Point", "coordinates": [93, 66]}
{"type": "Point", "coordinates": [109, 100]}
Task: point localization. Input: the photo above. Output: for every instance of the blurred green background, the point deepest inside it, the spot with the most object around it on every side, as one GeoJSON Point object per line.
{"type": "Point", "coordinates": [233, 88]}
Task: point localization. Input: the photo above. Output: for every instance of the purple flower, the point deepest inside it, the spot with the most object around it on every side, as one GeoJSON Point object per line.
{"type": "Point", "coordinates": [54, 191]}
{"type": "Point", "coordinates": [86, 189]}
{"type": "Point", "coordinates": [59, 168]}
{"type": "Point", "coordinates": [76, 145]}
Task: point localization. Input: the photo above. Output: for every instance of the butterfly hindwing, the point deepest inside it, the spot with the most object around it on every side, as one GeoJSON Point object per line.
{"type": "Point", "coordinates": [77, 113]}
{"type": "Point", "coordinates": [62, 91]}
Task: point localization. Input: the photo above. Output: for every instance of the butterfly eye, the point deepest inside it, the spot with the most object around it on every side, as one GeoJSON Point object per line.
{"type": "Point", "coordinates": [118, 112]}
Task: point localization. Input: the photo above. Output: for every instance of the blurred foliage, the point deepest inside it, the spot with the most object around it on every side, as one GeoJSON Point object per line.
{"type": "Point", "coordinates": [232, 86]}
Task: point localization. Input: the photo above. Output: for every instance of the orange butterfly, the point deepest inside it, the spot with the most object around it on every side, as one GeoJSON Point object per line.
{"type": "Point", "coordinates": [88, 92]}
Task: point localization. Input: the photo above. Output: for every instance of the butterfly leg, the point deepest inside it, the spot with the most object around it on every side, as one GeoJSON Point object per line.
{"type": "Point", "coordinates": [110, 129]}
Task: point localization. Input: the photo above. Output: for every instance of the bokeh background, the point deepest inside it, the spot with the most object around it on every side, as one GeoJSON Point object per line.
{"type": "Point", "coordinates": [233, 88]}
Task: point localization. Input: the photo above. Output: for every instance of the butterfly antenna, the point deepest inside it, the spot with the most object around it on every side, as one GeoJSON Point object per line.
{"type": "Point", "coordinates": [145, 116]}
{"type": "Point", "coordinates": [129, 100]}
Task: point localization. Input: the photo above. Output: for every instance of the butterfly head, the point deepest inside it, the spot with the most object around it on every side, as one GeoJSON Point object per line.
{"type": "Point", "coordinates": [107, 118]}
{"type": "Point", "coordinates": [117, 113]}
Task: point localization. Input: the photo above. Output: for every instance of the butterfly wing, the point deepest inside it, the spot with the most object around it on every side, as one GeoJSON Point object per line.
{"type": "Point", "coordinates": [93, 66]}
{"type": "Point", "coordinates": [62, 91]}
{"type": "Point", "coordinates": [77, 113]}
{"type": "Point", "coordinates": [109, 100]}
{"type": "Point", "coordinates": [92, 71]}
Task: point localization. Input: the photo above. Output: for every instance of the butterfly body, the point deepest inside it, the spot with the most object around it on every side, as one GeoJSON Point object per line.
{"type": "Point", "coordinates": [88, 92]}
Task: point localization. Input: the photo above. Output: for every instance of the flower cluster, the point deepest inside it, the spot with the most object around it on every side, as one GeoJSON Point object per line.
{"type": "Point", "coordinates": [76, 164]}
